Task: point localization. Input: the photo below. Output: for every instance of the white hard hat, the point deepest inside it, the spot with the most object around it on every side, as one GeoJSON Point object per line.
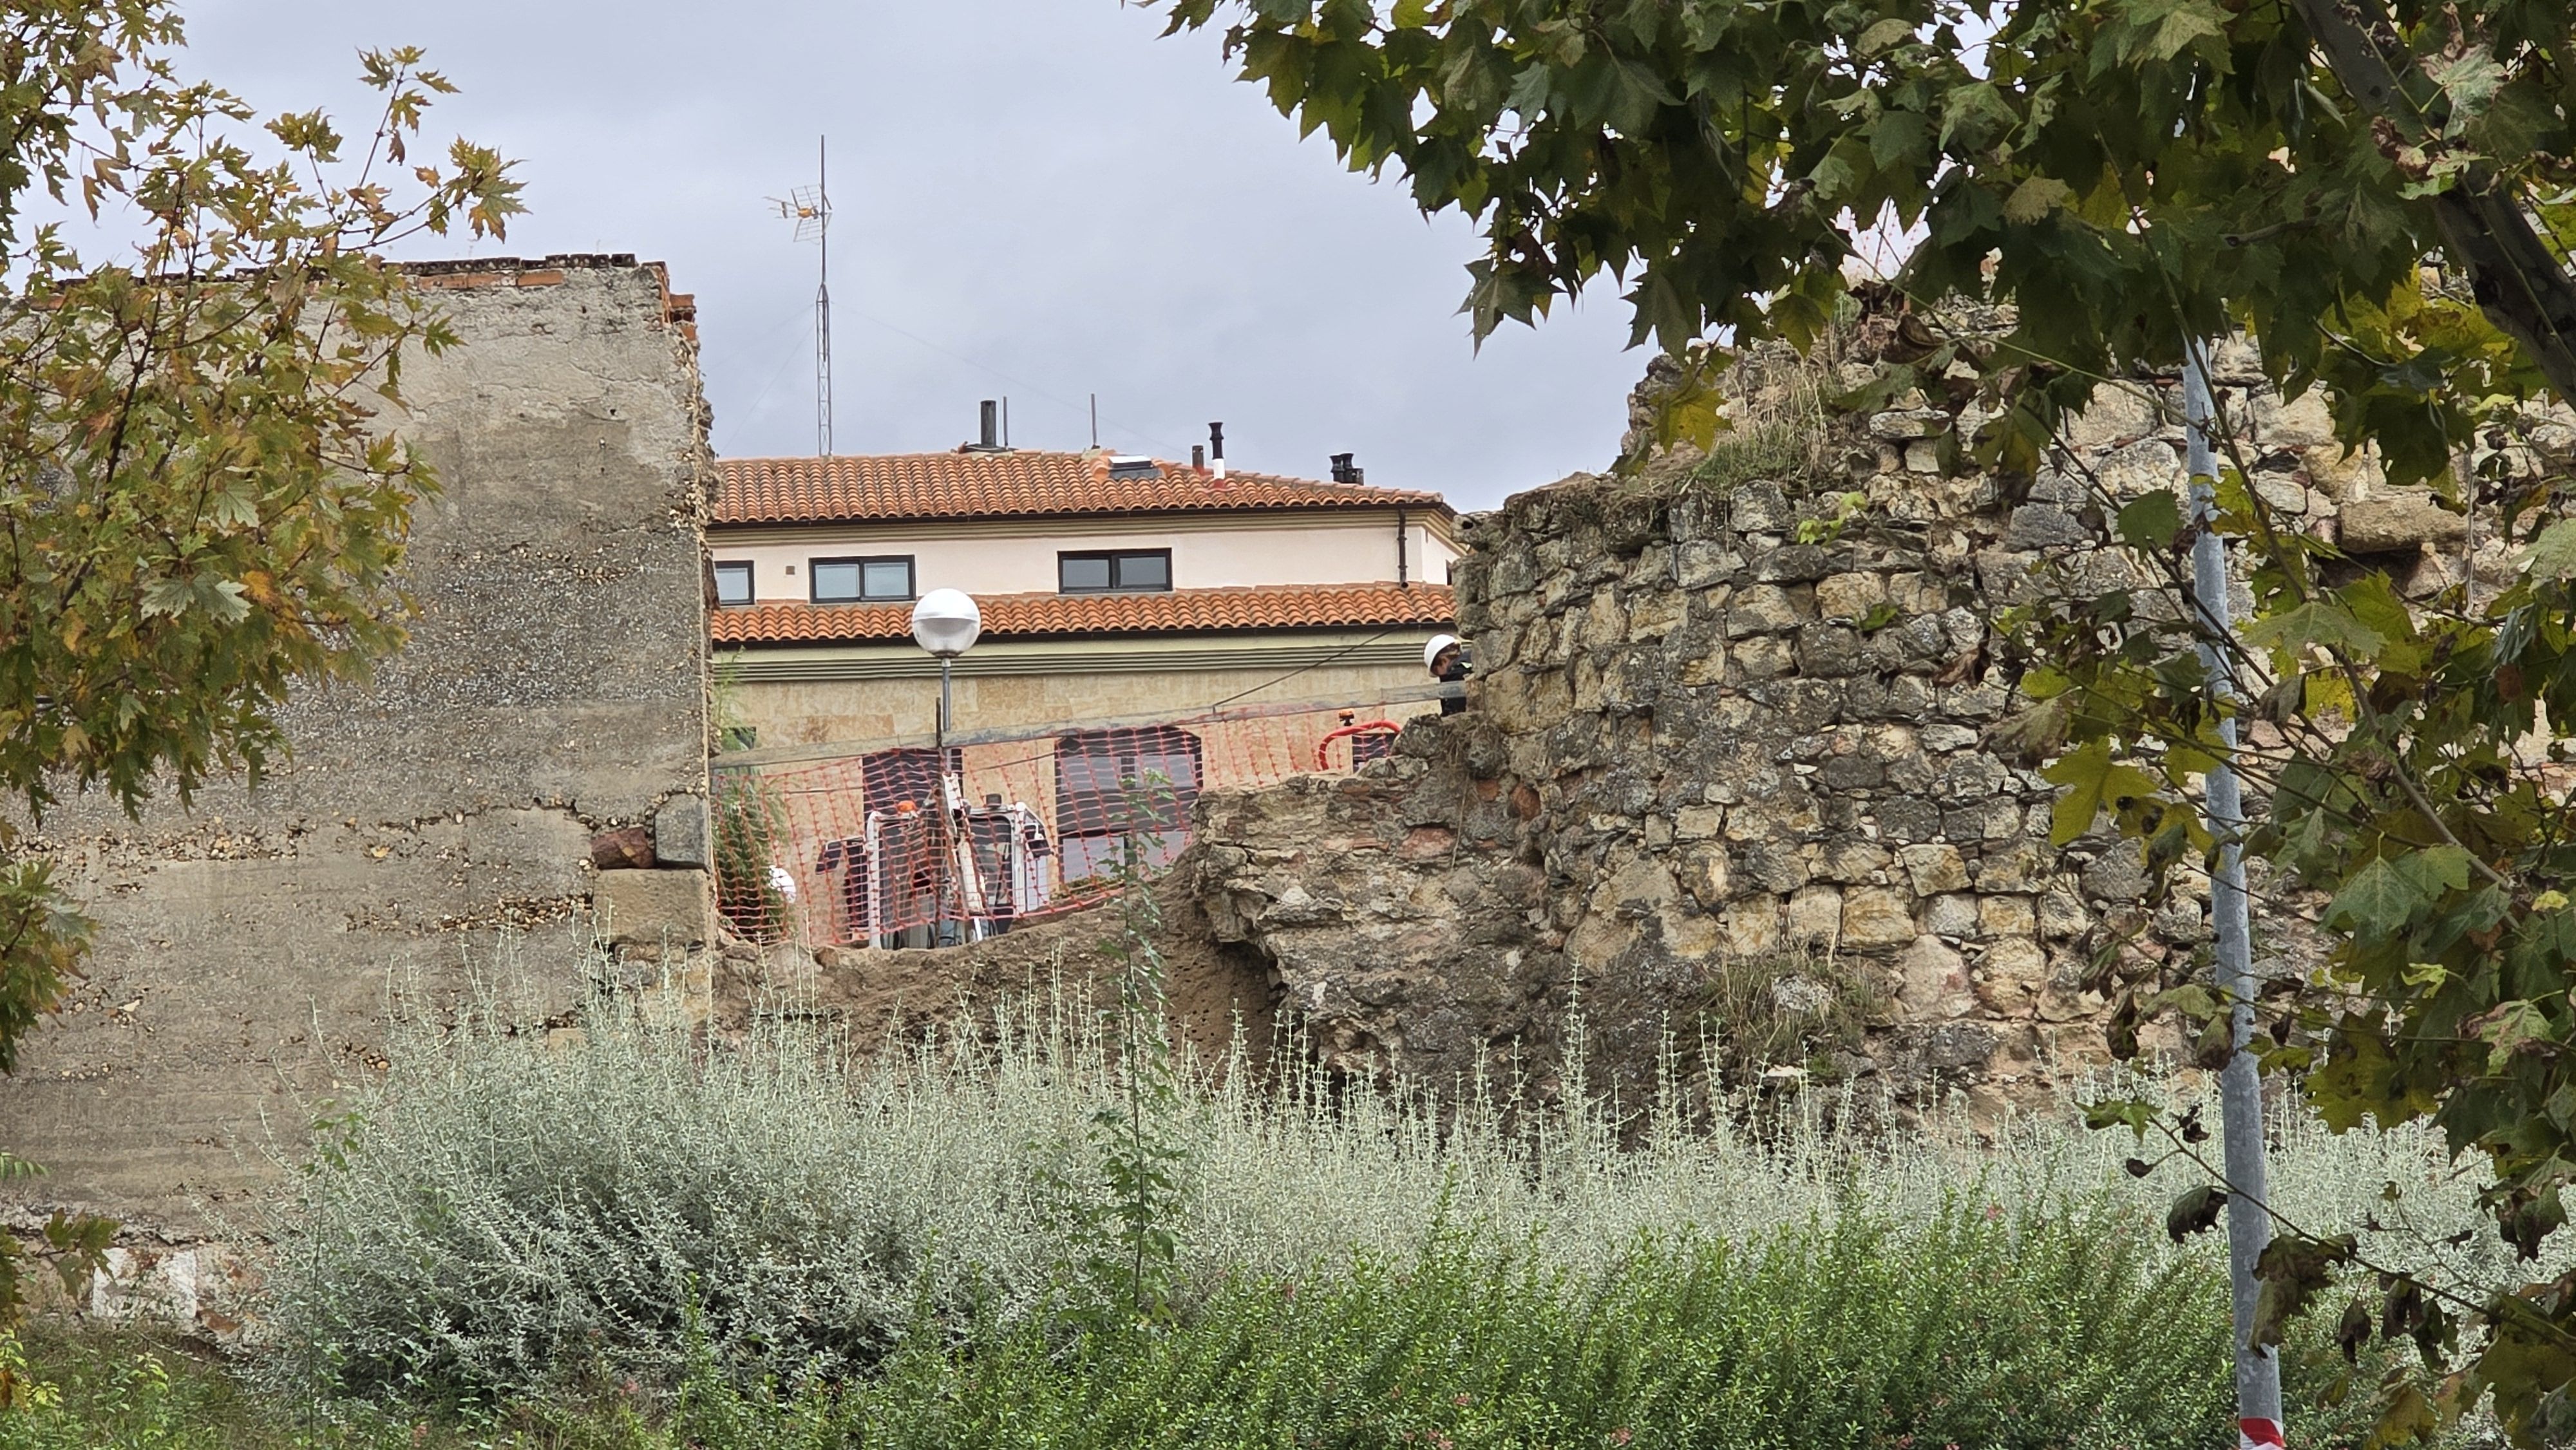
{"type": "Point", "coordinates": [1431, 651]}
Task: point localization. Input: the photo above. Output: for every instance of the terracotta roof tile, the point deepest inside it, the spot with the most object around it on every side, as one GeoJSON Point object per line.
{"type": "Point", "coordinates": [1021, 484]}
{"type": "Point", "coordinates": [1028, 616]}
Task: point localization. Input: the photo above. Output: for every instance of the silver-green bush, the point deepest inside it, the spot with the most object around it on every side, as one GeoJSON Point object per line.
{"type": "Point", "coordinates": [505, 1209]}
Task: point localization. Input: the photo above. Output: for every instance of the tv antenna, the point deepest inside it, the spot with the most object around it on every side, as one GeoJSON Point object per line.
{"type": "Point", "coordinates": [810, 207]}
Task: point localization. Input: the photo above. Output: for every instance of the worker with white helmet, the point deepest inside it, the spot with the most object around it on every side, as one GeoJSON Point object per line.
{"type": "Point", "coordinates": [1446, 658]}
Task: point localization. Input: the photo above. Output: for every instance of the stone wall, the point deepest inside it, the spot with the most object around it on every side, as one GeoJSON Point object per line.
{"type": "Point", "coordinates": [553, 689]}
{"type": "Point", "coordinates": [1733, 730]}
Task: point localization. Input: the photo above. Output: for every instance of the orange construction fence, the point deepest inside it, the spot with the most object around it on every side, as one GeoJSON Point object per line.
{"type": "Point", "coordinates": [911, 845]}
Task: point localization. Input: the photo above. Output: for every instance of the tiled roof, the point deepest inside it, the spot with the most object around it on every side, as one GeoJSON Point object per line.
{"type": "Point", "coordinates": [1019, 484]}
{"type": "Point", "coordinates": [1178, 611]}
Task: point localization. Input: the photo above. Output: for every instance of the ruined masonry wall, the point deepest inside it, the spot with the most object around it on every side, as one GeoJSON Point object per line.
{"type": "Point", "coordinates": [1697, 742]}
{"type": "Point", "coordinates": [553, 688]}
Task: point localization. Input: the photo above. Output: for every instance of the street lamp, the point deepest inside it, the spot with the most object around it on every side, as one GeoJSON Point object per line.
{"type": "Point", "coordinates": [946, 623]}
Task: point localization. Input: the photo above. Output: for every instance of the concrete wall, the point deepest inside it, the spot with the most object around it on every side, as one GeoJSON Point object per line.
{"type": "Point", "coordinates": [554, 686]}
{"type": "Point", "coordinates": [1019, 556]}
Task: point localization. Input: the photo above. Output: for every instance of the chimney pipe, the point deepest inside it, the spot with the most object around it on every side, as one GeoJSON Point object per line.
{"type": "Point", "coordinates": [1198, 457]}
{"type": "Point", "coordinates": [1216, 448]}
{"type": "Point", "coordinates": [992, 424]}
{"type": "Point", "coordinates": [1343, 471]}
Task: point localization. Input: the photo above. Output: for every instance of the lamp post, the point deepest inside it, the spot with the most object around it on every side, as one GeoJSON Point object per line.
{"type": "Point", "coordinates": [946, 623]}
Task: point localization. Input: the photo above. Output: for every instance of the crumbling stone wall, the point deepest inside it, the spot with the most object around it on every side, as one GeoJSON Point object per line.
{"type": "Point", "coordinates": [1727, 725]}
{"type": "Point", "coordinates": [553, 689]}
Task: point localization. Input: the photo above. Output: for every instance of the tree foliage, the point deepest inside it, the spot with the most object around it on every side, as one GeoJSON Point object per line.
{"type": "Point", "coordinates": [198, 508]}
{"type": "Point", "coordinates": [2374, 193]}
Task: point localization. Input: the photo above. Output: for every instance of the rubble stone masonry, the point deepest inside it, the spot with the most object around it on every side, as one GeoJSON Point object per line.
{"type": "Point", "coordinates": [1701, 747]}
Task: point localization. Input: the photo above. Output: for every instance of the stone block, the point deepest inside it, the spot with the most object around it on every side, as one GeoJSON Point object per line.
{"type": "Point", "coordinates": [654, 908]}
{"type": "Point", "coordinates": [1706, 875]}
{"type": "Point", "coordinates": [2140, 468]}
{"type": "Point", "coordinates": [2003, 916]}
{"type": "Point", "coordinates": [1951, 915]}
{"type": "Point", "coordinates": [2303, 424]}
{"type": "Point", "coordinates": [682, 835]}
{"type": "Point", "coordinates": [2394, 519]}
{"type": "Point", "coordinates": [1934, 868]}
{"type": "Point", "coordinates": [2044, 526]}
{"type": "Point", "coordinates": [2011, 976]}
{"type": "Point", "coordinates": [1752, 928]}
{"type": "Point", "coordinates": [627, 848]}
{"type": "Point", "coordinates": [2340, 475]}
{"type": "Point", "coordinates": [1699, 823]}
{"type": "Point", "coordinates": [1761, 609]}
{"type": "Point", "coordinates": [2114, 415]}
{"type": "Point", "coordinates": [1655, 614]}
{"type": "Point", "coordinates": [1848, 598]}
{"type": "Point", "coordinates": [1815, 916]}
{"type": "Point", "coordinates": [1877, 916]}
{"type": "Point", "coordinates": [1932, 981]}
{"type": "Point", "coordinates": [1764, 657]}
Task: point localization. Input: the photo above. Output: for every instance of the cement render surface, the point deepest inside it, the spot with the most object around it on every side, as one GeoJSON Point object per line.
{"type": "Point", "coordinates": [434, 824]}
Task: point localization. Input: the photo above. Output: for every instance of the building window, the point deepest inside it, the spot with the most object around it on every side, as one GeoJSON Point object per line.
{"type": "Point", "coordinates": [1125, 571]}
{"type": "Point", "coordinates": [854, 581]}
{"type": "Point", "coordinates": [733, 583]}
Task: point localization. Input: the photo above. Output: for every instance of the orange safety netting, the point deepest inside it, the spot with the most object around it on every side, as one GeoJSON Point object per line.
{"type": "Point", "coordinates": [876, 848]}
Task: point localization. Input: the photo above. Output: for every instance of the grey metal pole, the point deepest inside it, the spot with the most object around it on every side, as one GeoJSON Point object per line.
{"type": "Point", "coordinates": [2240, 1085]}
{"type": "Point", "coordinates": [939, 793]}
{"type": "Point", "coordinates": [939, 733]}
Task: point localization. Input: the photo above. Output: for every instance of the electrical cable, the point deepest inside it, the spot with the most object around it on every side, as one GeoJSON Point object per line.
{"type": "Point", "coordinates": [1317, 665]}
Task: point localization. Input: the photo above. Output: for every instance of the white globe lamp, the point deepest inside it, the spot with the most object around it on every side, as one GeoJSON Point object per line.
{"type": "Point", "coordinates": [946, 622]}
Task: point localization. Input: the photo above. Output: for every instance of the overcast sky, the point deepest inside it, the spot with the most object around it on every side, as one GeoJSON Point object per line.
{"type": "Point", "coordinates": [1037, 198]}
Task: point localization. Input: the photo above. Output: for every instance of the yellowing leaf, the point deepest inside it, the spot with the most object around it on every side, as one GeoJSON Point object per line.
{"type": "Point", "coordinates": [1882, 35]}
{"type": "Point", "coordinates": [2035, 198]}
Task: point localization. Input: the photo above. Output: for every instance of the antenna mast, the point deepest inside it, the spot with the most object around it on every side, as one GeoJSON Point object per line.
{"type": "Point", "coordinates": [810, 207]}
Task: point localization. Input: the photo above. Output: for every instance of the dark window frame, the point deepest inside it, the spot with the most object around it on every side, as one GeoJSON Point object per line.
{"type": "Point", "coordinates": [750, 589]}
{"type": "Point", "coordinates": [911, 579]}
{"type": "Point", "coordinates": [1114, 557]}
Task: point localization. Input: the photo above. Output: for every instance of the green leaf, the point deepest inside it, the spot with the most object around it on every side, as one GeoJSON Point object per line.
{"type": "Point", "coordinates": [2137, 1114]}
{"type": "Point", "coordinates": [2151, 521]}
{"type": "Point", "coordinates": [2319, 623]}
{"type": "Point", "coordinates": [2093, 782]}
{"type": "Point", "coordinates": [2377, 902]}
{"type": "Point", "coordinates": [2553, 554]}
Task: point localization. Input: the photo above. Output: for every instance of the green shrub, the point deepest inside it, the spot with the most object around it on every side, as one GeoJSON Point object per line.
{"type": "Point", "coordinates": [890, 1244]}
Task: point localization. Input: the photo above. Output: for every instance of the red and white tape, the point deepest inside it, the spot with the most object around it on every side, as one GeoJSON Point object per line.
{"type": "Point", "coordinates": [2254, 1434]}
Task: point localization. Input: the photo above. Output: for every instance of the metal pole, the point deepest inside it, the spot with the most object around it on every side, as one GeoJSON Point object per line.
{"type": "Point", "coordinates": [2240, 1086]}
{"type": "Point", "coordinates": [823, 303]}
{"type": "Point", "coordinates": [947, 847]}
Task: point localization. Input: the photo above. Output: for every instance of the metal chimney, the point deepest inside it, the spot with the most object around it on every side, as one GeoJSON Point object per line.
{"type": "Point", "coordinates": [1216, 448]}
{"type": "Point", "coordinates": [1198, 457]}
{"type": "Point", "coordinates": [1345, 471]}
{"type": "Point", "coordinates": [992, 426]}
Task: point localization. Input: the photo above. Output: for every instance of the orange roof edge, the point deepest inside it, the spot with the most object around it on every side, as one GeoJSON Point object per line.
{"type": "Point", "coordinates": [1022, 483]}
{"type": "Point", "coordinates": [1036, 616]}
